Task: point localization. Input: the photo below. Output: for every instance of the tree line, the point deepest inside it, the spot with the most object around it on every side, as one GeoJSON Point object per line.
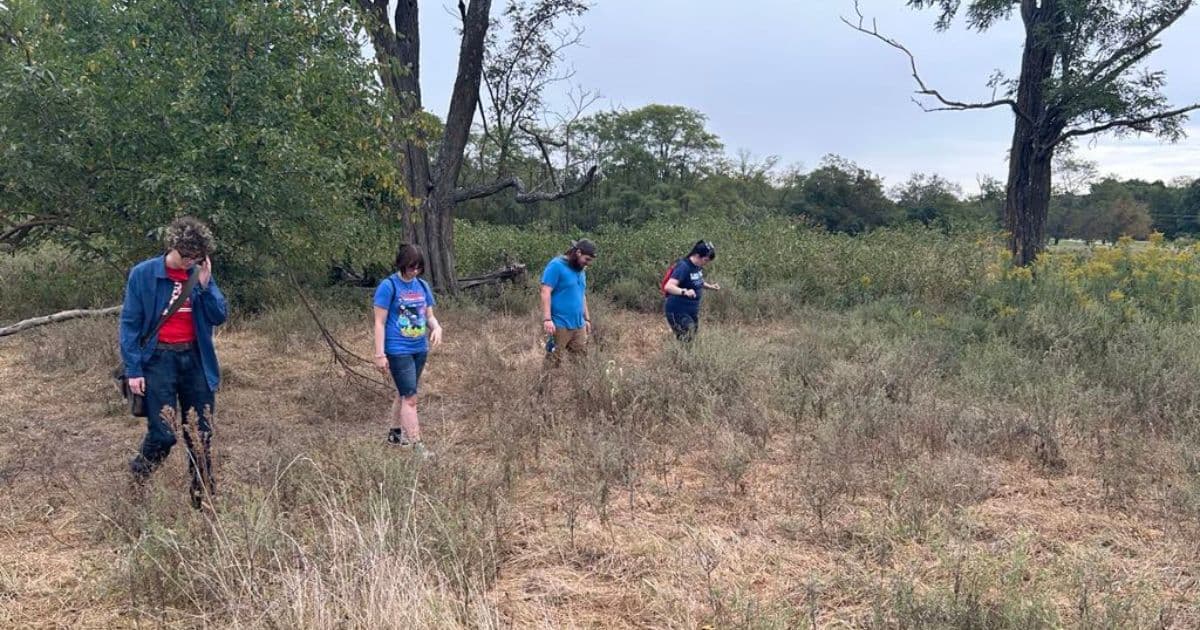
{"type": "Point", "coordinates": [662, 160]}
{"type": "Point", "coordinates": [266, 119]}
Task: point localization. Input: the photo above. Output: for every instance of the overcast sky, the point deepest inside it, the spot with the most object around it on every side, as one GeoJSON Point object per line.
{"type": "Point", "coordinates": [787, 78]}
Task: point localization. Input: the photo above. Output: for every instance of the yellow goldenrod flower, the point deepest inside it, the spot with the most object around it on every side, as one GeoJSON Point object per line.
{"type": "Point", "coordinates": [1020, 273]}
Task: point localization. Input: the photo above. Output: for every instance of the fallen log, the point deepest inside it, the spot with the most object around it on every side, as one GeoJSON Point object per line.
{"type": "Point", "coordinates": [57, 317]}
{"type": "Point", "coordinates": [509, 273]}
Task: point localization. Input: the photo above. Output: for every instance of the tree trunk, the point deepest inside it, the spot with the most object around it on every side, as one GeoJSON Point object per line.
{"type": "Point", "coordinates": [1028, 199]}
{"type": "Point", "coordinates": [429, 215]}
{"type": "Point", "coordinates": [432, 188]}
{"type": "Point", "coordinates": [1029, 160]}
{"type": "Point", "coordinates": [439, 205]}
{"type": "Point", "coordinates": [398, 56]}
{"type": "Point", "coordinates": [435, 235]}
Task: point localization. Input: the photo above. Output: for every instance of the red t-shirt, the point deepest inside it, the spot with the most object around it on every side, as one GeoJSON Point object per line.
{"type": "Point", "coordinates": [178, 328]}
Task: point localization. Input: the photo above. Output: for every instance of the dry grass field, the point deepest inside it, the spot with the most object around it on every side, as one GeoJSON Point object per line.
{"type": "Point", "coordinates": [825, 470]}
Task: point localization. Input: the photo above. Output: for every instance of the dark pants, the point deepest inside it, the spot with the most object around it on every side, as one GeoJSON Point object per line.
{"type": "Point", "coordinates": [175, 380]}
{"type": "Point", "coordinates": [684, 325]}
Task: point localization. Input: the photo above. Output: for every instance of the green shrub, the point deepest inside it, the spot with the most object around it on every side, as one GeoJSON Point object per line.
{"type": "Point", "coordinates": [50, 279]}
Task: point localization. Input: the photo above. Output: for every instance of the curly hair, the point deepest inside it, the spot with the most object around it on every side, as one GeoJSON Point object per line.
{"type": "Point", "coordinates": [189, 237]}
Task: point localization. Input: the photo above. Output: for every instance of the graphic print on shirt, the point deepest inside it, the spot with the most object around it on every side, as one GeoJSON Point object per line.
{"type": "Point", "coordinates": [176, 289]}
{"type": "Point", "coordinates": [179, 327]}
{"type": "Point", "coordinates": [410, 314]}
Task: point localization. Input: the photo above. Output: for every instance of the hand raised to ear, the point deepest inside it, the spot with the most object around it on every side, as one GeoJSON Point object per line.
{"type": "Point", "coordinates": [205, 271]}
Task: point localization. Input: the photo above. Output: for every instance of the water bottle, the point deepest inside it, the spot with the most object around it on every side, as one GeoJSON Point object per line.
{"type": "Point", "coordinates": [550, 345]}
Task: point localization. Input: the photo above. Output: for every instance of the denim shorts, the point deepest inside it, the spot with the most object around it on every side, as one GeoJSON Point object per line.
{"type": "Point", "coordinates": [406, 371]}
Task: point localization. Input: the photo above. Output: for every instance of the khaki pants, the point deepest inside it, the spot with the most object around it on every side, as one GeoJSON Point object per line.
{"type": "Point", "coordinates": [570, 340]}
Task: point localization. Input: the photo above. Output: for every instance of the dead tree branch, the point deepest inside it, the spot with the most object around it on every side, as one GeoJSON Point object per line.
{"type": "Point", "coordinates": [522, 196]}
{"type": "Point", "coordinates": [925, 90]}
{"type": "Point", "coordinates": [61, 316]}
{"type": "Point", "coordinates": [542, 143]}
{"type": "Point", "coordinates": [1137, 124]}
{"type": "Point", "coordinates": [341, 354]}
{"type": "Point", "coordinates": [12, 235]}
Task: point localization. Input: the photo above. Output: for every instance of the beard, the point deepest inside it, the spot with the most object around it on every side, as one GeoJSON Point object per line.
{"type": "Point", "coordinates": [573, 260]}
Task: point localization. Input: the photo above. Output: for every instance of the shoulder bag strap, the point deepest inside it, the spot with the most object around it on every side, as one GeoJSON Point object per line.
{"type": "Point", "coordinates": [176, 304]}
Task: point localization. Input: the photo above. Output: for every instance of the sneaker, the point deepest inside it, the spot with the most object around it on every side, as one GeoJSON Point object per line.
{"type": "Point", "coordinates": [396, 437]}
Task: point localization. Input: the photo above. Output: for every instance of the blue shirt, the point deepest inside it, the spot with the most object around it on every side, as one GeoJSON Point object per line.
{"type": "Point", "coordinates": [690, 276]}
{"type": "Point", "coordinates": [567, 287]}
{"type": "Point", "coordinates": [147, 296]}
{"type": "Point", "coordinates": [407, 302]}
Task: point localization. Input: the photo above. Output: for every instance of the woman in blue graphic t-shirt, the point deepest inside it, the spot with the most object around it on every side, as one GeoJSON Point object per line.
{"type": "Point", "coordinates": [684, 288]}
{"type": "Point", "coordinates": [404, 329]}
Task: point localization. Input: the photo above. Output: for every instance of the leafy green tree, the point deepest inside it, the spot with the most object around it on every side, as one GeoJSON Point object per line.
{"type": "Point", "coordinates": [930, 199]}
{"type": "Point", "coordinates": [1189, 208]}
{"type": "Point", "coordinates": [259, 117]}
{"type": "Point", "coordinates": [1069, 217]}
{"type": "Point", "coordinates": [844, 197]}
{"type": "Point", "coordinates": [1163, 203]}
{"type": "Point", "coordinates": [655, 161]}
{"type": "Point", "coordinates": [987, 207]}
{"type": "Point", "coordinates": [1128, 217]}
{"type": "Point", "coordinates": [653, 144]}
{"type": "Point", "coordinates": [1111, 209]}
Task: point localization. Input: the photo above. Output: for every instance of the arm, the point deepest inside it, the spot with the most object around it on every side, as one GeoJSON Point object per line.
{"type": "Point", "coordinates": [672, 288]}
{"type": "Point", "coordinates": [435, 328]}
{"type": "Point", "coordinates": [380, 322]}
{"type": "Point", "coordinates": [208, 297]}
{"type": "Point", "coordinates": [587, 316]}
{"type": "Point", "coordinates": [130, 329]}
{"type": "Point", "coordinates": [712, 285]}
{"type": "Point", "coordinates": [212, 302]}
{"type": "Point", "coordinates": [547, 320]}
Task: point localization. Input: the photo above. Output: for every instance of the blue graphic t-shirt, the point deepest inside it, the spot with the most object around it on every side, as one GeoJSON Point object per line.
{"type": "Point", "coordinates": [690, 277]}
{"type": "Point", "coordinates": [566, 293]}
{"type": "Point", "coordinates": [406, 329]}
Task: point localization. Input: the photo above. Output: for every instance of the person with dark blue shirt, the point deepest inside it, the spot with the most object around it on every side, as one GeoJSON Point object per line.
{"type": "Point", "coordinates": [685, 287]}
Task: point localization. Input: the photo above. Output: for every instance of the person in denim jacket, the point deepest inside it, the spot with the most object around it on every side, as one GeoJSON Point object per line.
{"type": "Point", "coordinates": [176, 369]}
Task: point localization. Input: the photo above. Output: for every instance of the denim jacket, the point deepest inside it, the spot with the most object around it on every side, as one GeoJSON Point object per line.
{"type": "Point", "coordinates": [147, 295]}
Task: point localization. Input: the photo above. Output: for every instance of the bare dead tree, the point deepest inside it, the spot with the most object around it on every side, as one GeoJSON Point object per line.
{"type": "Point", "coordinates": [518, 69]}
